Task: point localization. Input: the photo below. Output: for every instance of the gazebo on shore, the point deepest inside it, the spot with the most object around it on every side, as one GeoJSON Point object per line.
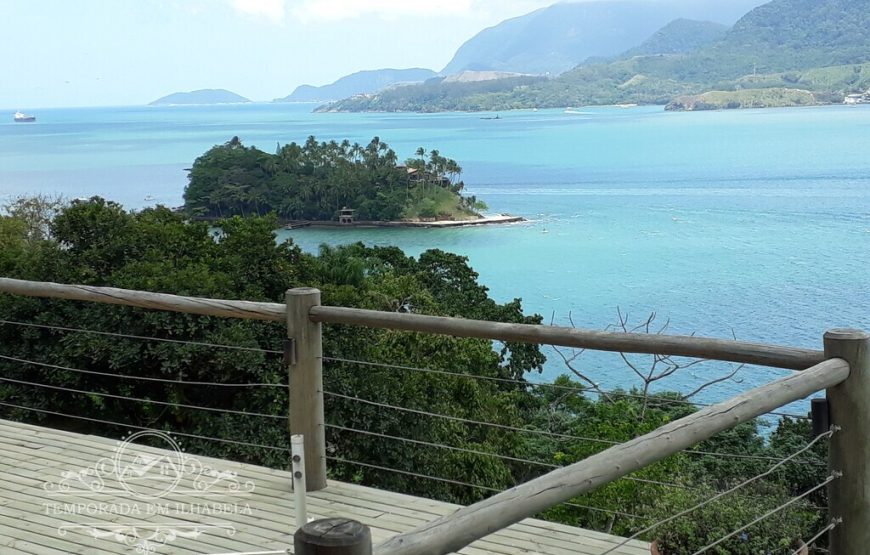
{"type": "Point", "coordinates": [345, 215]}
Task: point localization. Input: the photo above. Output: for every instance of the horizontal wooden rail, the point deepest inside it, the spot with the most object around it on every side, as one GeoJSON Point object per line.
{"type": "Point", "coordinates": [451, 533]}
{"type": "Point", "coordinates": [143, 299]}
{"type": "Point", "coordinates": [699, 347]}
{"type": "Point", "coordinates": [689, 346]}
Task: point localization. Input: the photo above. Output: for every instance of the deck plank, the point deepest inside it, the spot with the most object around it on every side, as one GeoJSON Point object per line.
{"type": "Point", "coordinates": [33, 455]}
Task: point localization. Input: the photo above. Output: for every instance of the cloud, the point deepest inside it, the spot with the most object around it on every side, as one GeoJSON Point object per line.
{"type": "Point", "coordinates": [327, 11]}
{"type": "Point", "coordinates": [270, 10]}
{"type": "Point", "coordinates": [334, 10]}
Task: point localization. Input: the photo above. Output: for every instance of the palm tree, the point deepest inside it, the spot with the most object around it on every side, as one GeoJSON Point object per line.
{"type": "Point", "coordinates": [452, 169]}
{"type": "Point", "coordinates": [390, 157]}
{"type": "Point", "coordinates": [356, 152]}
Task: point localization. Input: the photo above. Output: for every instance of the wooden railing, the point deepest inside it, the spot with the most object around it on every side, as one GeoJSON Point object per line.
{"type": "Point", "coordinates": [842, 369]}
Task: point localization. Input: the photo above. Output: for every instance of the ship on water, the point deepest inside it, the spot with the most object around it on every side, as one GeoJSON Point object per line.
{"type": "Point", "coordinates": [23, 118]}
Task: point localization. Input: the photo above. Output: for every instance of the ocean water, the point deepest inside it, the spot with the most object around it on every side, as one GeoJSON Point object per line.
{"type": "Point", "coordinates": [753, 224]}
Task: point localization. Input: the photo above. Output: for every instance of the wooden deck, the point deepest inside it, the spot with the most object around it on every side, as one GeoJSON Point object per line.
{"type": "Point", "coordinates": [44, 511]}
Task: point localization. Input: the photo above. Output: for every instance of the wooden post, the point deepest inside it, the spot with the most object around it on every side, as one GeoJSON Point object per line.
{"type": "Point", "coordinates": [333, 536]}
{"type": "Point", "coordinates": [849, 497]}
{"type": "Point", "coordinates": [306, 383]}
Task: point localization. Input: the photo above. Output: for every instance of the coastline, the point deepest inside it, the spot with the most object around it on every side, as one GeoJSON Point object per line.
{"type": "Point", "coordinates": [486, 220]}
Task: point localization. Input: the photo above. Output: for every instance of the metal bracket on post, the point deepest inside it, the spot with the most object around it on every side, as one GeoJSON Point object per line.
{"type": "Point", "coordinates": [289, 347]}
{"type": "Point", "coordinates": [297, 444]}
{"type": "Point", "coordinates": [821, 416]}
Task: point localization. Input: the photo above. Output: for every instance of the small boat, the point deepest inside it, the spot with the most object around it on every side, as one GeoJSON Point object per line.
{"type": "Point", "coordinates": [149, 198]}
{"type": "Point", "coordinates": [23, 118]}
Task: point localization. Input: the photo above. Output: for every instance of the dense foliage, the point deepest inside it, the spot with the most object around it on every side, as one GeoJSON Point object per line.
{"type": "Point", "coordinates": [315, 180]}
{"type": "Point", "coordinates": [98, 243]}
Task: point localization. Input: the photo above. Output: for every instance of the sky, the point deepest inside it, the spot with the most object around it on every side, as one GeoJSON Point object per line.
{"type": "Point", "coordinates": [130, 52]}
{"type": "Point", "coordinates": [60, 53]}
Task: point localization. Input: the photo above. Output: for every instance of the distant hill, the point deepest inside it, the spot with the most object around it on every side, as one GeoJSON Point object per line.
{"type": "Point", "coordinates": [782, 44]}
{"type": "Point", "coordinates": [361, 82]}
{"type": "Point", "coordinates": [435, 95]}
{"type": "Point", "coordinates": [818, 48]}
{"type": "Point", "coordinates": [557, 38]}
{"type": "Point", "coordinates": [202, 96]}
{"type": "Point", "coordinates": [786, 35]}
{"type": "Point", "coordinates": [680, 36]}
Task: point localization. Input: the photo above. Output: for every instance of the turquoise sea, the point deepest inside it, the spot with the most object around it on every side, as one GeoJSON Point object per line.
{"type": "Point", "coordinates": [750, 223]}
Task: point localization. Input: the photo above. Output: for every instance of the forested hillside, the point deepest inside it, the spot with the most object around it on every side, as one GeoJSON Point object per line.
{"type": "Point", "coordinates": [779, 44]}
{"type": "Point", "coordinates": [789, 35]}
{"type": "Point", "coordinates": [680, 36]}
{"type": "Point", "coordinates": [436, 95]}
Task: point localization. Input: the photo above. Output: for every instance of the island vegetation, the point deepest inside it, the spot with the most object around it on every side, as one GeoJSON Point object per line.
{"type": "Point", "coordinates": [315, 181]}
{"type": "Point", "coordinates": [537, 428]}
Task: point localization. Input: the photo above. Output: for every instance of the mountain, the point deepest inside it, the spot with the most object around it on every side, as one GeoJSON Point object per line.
{"type": "Point", "coordinates": [361, 82]}
{"type": "Point", "coordinates": [557, 38]}
{"type": "Point", "coordinates": [202, 96]}
{"type": "Point", "coordinates": [786, 35]}
{"type": "Point", "coordinates": [782, 44]}
{"type": "Point", "coordinates": [680, 36]}
{"type": "Point", "coordinates": [797, 46]}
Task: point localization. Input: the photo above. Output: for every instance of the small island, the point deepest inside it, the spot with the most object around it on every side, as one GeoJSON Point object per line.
{"type": "Point", "coordinates": [202, 96]}
{"type": "Point", "coordinates": [332, 183]}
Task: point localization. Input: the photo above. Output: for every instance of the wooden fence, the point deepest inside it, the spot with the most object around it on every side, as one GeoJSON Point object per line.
{"type": "Point", "coordinates": [842, 369]}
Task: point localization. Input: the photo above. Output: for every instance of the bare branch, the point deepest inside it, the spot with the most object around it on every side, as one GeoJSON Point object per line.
{"type": "Point", "coordinates": [632, 366]}
{"type": "Point", "coordinates": [664, 327]}
{"type": "Point", "coordinates": [713, 382]}
{"type": "Point", "coordinates": [569, 363]}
